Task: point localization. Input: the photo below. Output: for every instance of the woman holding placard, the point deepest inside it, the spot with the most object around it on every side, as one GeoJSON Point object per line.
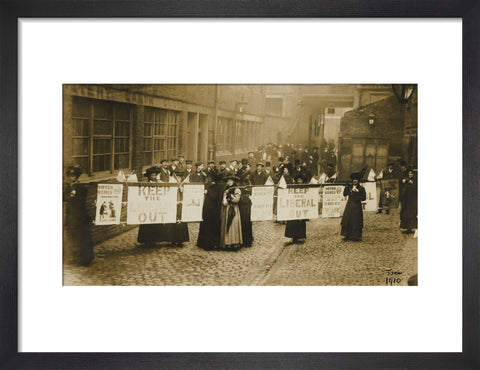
{"type": "Point", "coordinates": [297, 229]}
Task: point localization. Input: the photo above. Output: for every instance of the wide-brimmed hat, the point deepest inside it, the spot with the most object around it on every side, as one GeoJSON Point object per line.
{"type": "Point", "coordinates": [153, 169]}
{"type": "Point", "coordinates": [260, 164]}
{"type": "Point", "coordinates": [73, 171]}
{"type": "Point", "coordinates": [300, 176]}
{"type": "Point", "coordinates": [356, 176]}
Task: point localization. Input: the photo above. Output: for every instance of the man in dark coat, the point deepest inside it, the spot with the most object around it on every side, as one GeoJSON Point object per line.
{"type": "Point", "coordinates": [198, 175]}
{"type": "Point", "coordinates": [164, 171]}
{"type": "Point", "coordinates": [188, 171]}
{"type": "Point", "coordinates": [352, 220]}
{"type": "Point", "coordinates": [180, 166]}
{"type": "Point", "coordinates": [259, 177]}
{"type": "Point", "coordinates": [211, 172]}
{"type": "Point", "coordinates": [223, 167]}
{"type": "Point", "coordinates": [278, 170]}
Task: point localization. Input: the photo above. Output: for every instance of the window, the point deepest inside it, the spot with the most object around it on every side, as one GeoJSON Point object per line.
{"type": "Point", "coordinates": [223, 137]}
{"type": "Point", "coordinates": [330, 110]}
{"type": "Point", "coordinates": [274, 106]}
{"type": "Point", "coordinates": [101, 135]}
{"type": "Point", "coordinates": [160, 134]}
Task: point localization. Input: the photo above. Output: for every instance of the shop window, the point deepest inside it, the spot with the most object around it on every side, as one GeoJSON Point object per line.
{"type": "Point", "coordinates": [101, 135]}
{"type": "Point", "coordinates": [160, 134]}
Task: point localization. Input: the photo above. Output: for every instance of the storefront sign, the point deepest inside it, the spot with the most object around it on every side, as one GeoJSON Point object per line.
{"type": "Point", "coordinates": [152, 204]}
{"type": "Point", "coordinates": [192, 204]}
{"type": "Point", "coordinates": [262, 203]}
{"type": "Point", "coordinates": [333, 201]}
{"type": "Point", "coordinates": [109, 204]}
{"type": "Point", "coordinates": [296, 203]}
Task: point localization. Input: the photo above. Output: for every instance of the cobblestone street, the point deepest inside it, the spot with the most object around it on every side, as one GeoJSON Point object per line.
{"type": "Point", "coordinates": [324, 259]}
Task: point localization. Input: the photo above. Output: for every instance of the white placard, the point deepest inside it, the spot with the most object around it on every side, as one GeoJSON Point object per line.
{"type": "Point", "coordinates": [297, 203]}
{"type": "Point", "coordinates": [192, 204]}
{"type": "Point", "coordinates": [109, 204]}
{"type": "Point", "coordinates": [333, 201]}
{"type": "Point", "coordinates": [262, 203]}
{"type": "Point", "coordinates": [152, 204]}
{"type": "Point", "coordinates": [370, 204]}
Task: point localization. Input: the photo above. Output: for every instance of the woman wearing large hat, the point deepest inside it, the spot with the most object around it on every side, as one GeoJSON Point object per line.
{"type": "Point", "coordinates": [149, 234]}
{"type": "Point", "coordinates": [297, 229]}
{"type": "Point", "coordinates": [352, 220]}
{"type": "Point", "coordinates": [231, 224]}
{"type": "Point", "coordinates": [209, 232]}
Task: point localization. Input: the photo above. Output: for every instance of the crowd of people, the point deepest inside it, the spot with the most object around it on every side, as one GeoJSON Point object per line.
{"type": "Point", "coordinates": [227, 206]}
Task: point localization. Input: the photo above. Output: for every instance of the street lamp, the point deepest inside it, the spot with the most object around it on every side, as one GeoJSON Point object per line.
{"type": "Point", "coordinates": [404, 92]}
{"type": "Point", "coordinates": [371, 119]}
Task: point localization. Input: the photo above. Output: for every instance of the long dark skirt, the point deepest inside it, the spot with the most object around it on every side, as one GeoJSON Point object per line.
{"type": "Point", "coordinates": [77, 232]}
{"type": "Point", "coordinates": [245, 206]}
{"type": "Point", "coordinates": [296, 229]}
{"type": "Point", "coordinates": [78, 244]}
{"type": "Point", "coordinates": [156, 233]}
{"type": "Point", "coordinates": [408, 216]}
{"type": "Point", "coordinates": [209, 232]}
{"type": "Point", "coordinates": [408, 213]}
{"type": "Point", "coordinates": [352, 221]}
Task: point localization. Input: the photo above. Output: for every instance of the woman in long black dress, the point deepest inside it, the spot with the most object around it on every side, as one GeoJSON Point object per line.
{"type": "Point", "coordinates": [297, 229]}
{"type": "Point", "coordinates": [149, 234]}
{"type": "Point", "coordinates": [77, 237]}
{"type": "Point", "coordinates": [352, 220]}
{"type": "Point", "coordinates": [209, 233]}
{"type": "Point", "coordinates": [408, 197]}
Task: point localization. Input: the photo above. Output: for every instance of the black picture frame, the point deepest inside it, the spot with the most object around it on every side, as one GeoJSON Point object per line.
{"type": "Point", "coordinates": [11, 10]}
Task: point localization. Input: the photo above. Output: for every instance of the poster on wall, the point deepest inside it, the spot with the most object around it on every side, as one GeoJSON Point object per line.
{"type": "Point", "coordinates": [152, 204]}
{"type": "Point", "coordinates": [333, 201]}
{"type": "Point", "coordinates": [262, 203]}
{"type": "Point", "coordinates": [370, 204]}
{"type": "Point", "coordinates": [109, 204]}
{"type": "Point", "coordinates": [296, 203]}
{"type": "Point", "coordinates": [192, 203]}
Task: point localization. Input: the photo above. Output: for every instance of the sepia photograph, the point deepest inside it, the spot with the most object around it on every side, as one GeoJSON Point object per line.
{"type": "Point", "coordinates": [240, 185]}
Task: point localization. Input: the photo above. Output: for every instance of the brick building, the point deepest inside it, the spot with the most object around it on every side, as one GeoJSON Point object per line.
{"type": "Point", "coordinates": [111, 127]}
{"type": "Point", "coordinates": [372, 135]}
{"type": "Point", "coordinates": [107, 128]}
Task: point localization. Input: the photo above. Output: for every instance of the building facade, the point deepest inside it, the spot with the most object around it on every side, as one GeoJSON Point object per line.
{"type": "Point", "coordinates": [373, 135]}
{"type": "Point", "coordinates": [107, 128]}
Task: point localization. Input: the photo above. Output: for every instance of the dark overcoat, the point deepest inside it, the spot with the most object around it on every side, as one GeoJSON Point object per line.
{"type": "Point", "coordinates": [352, 220]}
{"type": "Point", "coordinates": [209, 233]}
{"type": "Point", "coordinates": [77, 237]}
{"type": "Point", "coordinates": [409, 211]}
